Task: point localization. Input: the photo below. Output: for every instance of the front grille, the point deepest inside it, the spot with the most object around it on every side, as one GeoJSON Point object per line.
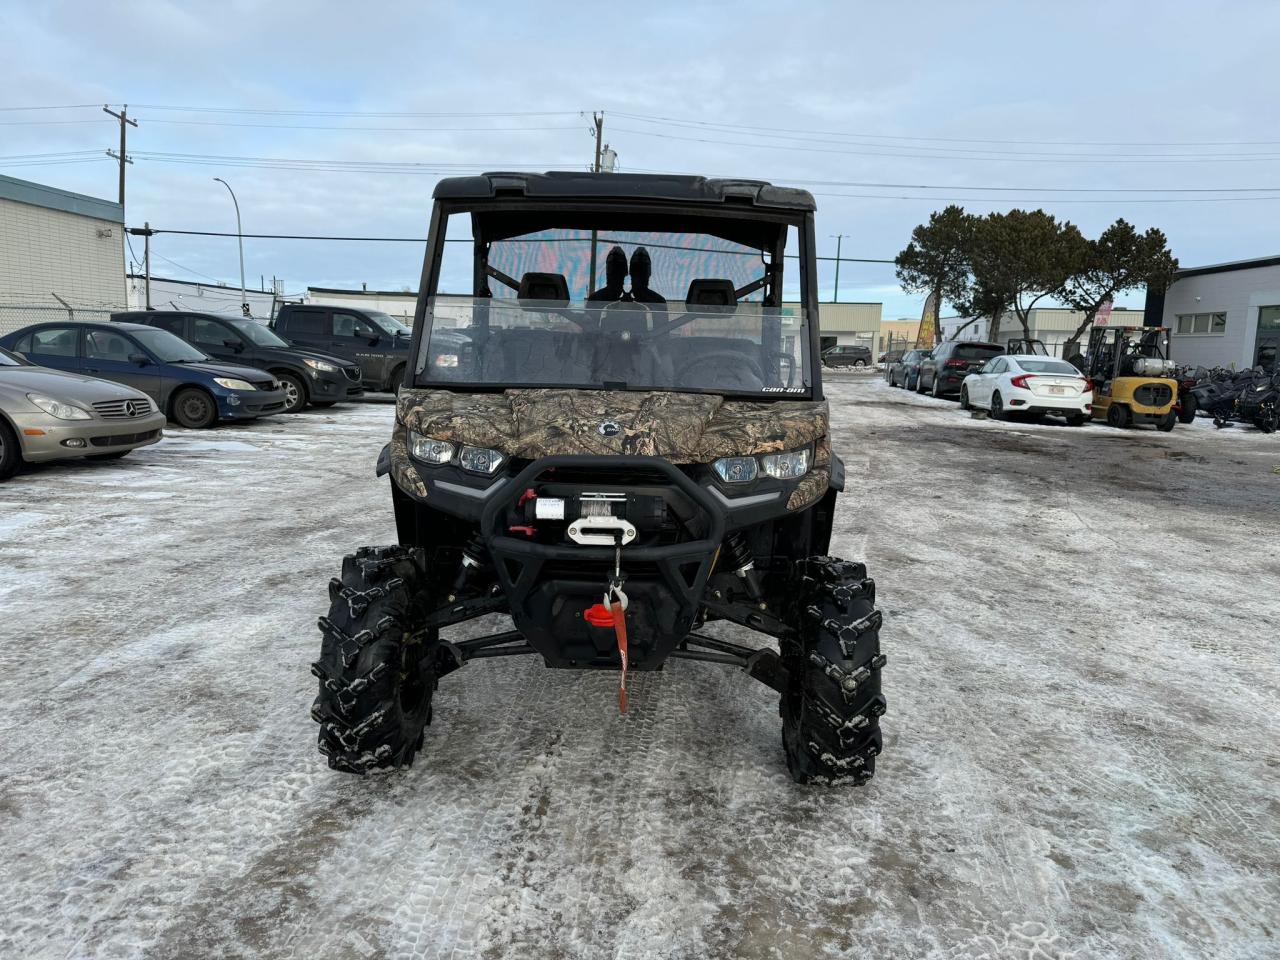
{"type": "Point", "coordinates": [121, 439]}
{"type": "Point", "coordinates": [120, 409]}
{"type": "Point", "coordinates": [1153, 394]}
{"type": "Point", "coordinates": [265, 384]}
{"type": "Point", "coordinates": [353, 373]}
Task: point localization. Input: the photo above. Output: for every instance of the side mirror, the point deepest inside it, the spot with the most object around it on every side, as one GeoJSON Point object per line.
{"type": "Point", "coordinates": [373, 340]}
{"type": "Point", "coordinates": [235, 345]}
{"type": "Point", "coordinates": [141, 359]}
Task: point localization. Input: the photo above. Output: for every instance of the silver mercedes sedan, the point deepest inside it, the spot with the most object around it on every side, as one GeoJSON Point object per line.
{"type": "Point", "coordinates": [51, 415]}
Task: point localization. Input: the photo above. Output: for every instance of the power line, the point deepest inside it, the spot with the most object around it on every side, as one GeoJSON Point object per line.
{"type": "Point", "coordinates": [901, 137]}
{"type": "Point", "coordinates": [65, 106]}
{"type": "Point", "coordinates": [356, 113]}
{"type": "Point", "coordinates": [289, 126]}
{"type": "Point", "coordinates": [1250, 158]}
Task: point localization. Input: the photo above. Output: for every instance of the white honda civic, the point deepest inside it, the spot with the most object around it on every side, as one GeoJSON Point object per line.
{"type": "Point", "coordinates": [1029, 385]}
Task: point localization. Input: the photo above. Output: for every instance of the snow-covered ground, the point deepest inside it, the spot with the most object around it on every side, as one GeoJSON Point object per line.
{"type": "Point", "coordinates": [1081, 751]}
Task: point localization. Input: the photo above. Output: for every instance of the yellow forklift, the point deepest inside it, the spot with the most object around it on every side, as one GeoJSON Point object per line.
{"type": "Point", "coordinates": [1132, 376]}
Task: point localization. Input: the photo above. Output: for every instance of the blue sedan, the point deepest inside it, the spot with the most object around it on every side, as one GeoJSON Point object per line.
{"type": "Point", "coordinates": [190, 387]}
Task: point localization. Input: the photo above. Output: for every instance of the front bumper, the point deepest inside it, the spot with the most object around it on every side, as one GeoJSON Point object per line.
{"type": "Point", "coordinates": [45, 438]}
{"type": "Point", "coordinates": [332, 387]}
{"type": "Point", "coordinates": [249, 404]}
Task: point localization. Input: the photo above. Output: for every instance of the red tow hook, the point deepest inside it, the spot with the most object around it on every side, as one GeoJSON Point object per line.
{"type": "Point", "coordinates": [521, 528]}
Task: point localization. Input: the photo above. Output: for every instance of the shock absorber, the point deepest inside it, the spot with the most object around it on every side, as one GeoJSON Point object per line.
{"type": "Point", "coordinates": [741, 562]}
{"type": "Point", "coordinates": [474, 557]}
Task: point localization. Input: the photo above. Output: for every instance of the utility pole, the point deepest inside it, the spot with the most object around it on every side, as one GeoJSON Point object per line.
{"type": "Point", "coordinates": [835, 296]}
{"type": "Point", "coordinates": [123, 157]}
{"type": "Point", "coordinates": [145, 232]}
{"type": "Point", "coordinates": [598, 121]}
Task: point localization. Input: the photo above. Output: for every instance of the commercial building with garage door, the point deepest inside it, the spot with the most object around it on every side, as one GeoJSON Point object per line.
{"type": "Point", "coordinates": [1225, 315]}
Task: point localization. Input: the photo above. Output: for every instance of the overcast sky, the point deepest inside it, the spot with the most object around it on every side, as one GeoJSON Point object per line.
{"type": "Point", "coordinates": [1131, 98]}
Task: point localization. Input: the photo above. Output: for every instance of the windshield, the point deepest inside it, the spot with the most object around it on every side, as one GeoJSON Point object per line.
{"type": "Point", "coordinates": [258, 334]}
{"type": "Point", "coordinates": [1048, 366]}
{"type": "Point", "coordinates": [8, 359]}
{"type": "Point", "coordinates": [621, 310]}
{"type": "Point", "coordinates": [388, 323]}
{"type": "Point", "coordinates": [167, 348]}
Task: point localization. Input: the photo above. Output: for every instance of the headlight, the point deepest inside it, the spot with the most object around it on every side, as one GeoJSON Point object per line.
{"type": "Point", "coordinates": [736, 469]}
{"type": "Point", "coordinates": [56, 408]}
{"type": "Point", "coordinates": [479, 460]}
{"type": "Point", "coordinates": [320, 365]}
{"type": "Point", "coordinates": [786, 466]}
{"type": "Point", "coordinates": [428, 450]}
{"type": "Point", "coordinates": [232, 384]}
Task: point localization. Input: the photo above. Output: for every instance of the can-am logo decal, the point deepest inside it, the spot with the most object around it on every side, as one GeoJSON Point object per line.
{"type": "Point", "coordinates": [609, 428]}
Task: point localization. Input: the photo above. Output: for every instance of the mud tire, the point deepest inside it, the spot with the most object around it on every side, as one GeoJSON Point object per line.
{"type": "Point", "coordinates": [377, 669]}
{"type": "Point", "coordinates": [1187, 409]}
{"type": "Point", "coordinates": [832, 706]}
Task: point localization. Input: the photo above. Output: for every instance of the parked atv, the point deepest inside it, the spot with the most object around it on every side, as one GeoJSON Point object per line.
{"type": "Point", "coordinates": [1259, 402]}
{"type": "Point", "coordinates": [613, 461]}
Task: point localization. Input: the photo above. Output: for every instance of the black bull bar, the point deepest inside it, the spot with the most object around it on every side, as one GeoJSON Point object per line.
{"type": "Point", "coordinates": [664, 609]}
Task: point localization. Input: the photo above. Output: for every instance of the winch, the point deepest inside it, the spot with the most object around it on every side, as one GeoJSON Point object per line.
{"type": "Point", "coordinates": [593, 517]}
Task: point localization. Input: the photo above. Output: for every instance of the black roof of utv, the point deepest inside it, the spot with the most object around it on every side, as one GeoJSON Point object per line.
{"type": "Point", "coordinates": [567, 184]}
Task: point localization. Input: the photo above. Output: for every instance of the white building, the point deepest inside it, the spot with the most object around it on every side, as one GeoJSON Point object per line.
{"type": "Point", "coordinates": [1227, 314]}
{"type": "Point", "coordinates": [1053, 325]}
{"type": "Point", "coordinates": [57, 244]}
{"type": "Point", "coordinates": [398, 303]}
{"type": "Point", "coordinates": [216, 298]}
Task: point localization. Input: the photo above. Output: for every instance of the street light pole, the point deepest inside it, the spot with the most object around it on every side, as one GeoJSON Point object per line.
{"type": "Point", "coordinates": [835, 294]}
{"type": "Point", "coordinates": [244, 300]}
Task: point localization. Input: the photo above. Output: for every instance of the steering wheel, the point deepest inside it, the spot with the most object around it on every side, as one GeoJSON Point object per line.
{"type": "Point", "coordinates": [728, 358]}
{"type": "Point", "coordinates": [626, 306]}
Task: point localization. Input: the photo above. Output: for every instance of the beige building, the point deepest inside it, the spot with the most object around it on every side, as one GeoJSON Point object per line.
{"type": "Point", "coordinates": [58, 244]}
{"type": "Point", "coordinates": [897, 334]}
{"type": "Point", "coordinates": [849, 323]}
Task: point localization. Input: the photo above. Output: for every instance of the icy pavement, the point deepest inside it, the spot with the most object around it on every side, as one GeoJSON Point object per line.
{"type": "Point", "coordinates": [1081, 754]}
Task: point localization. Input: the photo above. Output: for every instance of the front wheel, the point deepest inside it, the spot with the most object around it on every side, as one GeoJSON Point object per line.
{"type": "Point", "coordinates": [10, 454]}
{"type": "Point", "coordinates": [832, 705]}
{"type": "Point", "coordinates": [295, 392]}
{"type": "Point", "coordinates": [1167, 422]}
{"type": "Point", "coordinates": [1118, 416]}
{"type": "Point", "coordinates": [1187, 412]}
{"type": "Point", "coordinates": [194, 409]}
{"type": "Point", "coordinates": [377, 667]}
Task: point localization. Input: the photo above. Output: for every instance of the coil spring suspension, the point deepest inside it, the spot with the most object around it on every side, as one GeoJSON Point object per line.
{"type": "Point", "coordinates": [742, 563]}
{"type": "Point", "coordinates": [474, 558]}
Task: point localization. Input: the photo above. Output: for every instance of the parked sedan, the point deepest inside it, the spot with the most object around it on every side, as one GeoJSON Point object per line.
{"type": "Point", "coordinates": [50, 415]}
{"type": "Point", "coordinates": [1029, 385]}
{"type": "Point", "coordinates": [183, 382]}
{"type": "Point", "coordinates": [308, 376]}
{"type": "Point", "coordinates": [906, 371]}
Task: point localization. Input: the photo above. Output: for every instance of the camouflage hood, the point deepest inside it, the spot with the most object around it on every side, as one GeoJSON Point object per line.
{"type": "Point", "coordinates": [680, 427]}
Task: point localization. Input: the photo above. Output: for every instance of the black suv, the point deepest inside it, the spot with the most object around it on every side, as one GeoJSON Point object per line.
{"type": "Point", "coordinates": [943, 371]}
{"type": "Point", "coordinates": [846, 355]}
{"type": "Point", "coordinates": [308, 376]}
{"type": "Point", "coordinates": [375, 340]}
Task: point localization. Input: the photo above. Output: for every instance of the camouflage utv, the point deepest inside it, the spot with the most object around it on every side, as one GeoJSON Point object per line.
{"type": "Point", "coordinates": [613, 431]}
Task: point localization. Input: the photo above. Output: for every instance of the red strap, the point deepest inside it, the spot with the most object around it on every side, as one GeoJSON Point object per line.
{"type": "Point", "coordinates": [620, 628]}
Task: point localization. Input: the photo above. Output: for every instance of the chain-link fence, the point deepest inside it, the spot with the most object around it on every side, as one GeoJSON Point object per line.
{"type": "Point", "coordinates": [15, 316]}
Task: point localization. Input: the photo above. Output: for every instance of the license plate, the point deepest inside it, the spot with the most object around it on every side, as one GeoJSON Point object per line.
{"type": "Point", "coordinates": [1058, 391]}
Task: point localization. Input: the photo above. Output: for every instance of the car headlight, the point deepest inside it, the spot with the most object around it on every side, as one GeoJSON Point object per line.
{"type": "Point", "coordinates": [786, 466]}
{"type": "Point", "coordinates": [736, 469]}
{"type": "Point", "coordinates": [58, 409]}
{"type": "Point", "coordinates": [479, 460]}
{"type": "Point", "coordinates": [233, 384]}
{"type": "Point", "coordinates": [320, 365]}
{"type": "Point", "coordinates": [429, 450]}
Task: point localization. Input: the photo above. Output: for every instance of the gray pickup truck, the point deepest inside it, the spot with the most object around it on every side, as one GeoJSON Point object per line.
{"type": "Point", "coordinates": [377, 341]}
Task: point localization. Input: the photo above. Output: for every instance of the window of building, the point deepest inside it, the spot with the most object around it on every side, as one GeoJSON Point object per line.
{"type": "Point", "coordinates": [1202, 323]}
{"type": "Point", "coordinates": [1269, 319]}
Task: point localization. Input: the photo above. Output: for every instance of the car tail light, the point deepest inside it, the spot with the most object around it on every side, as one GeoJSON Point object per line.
{"type": "Point", "coordinates": [956, 363]}
{"type": "Point", "coordinates": [1088, 385]}
{"type": "Point", "coordinates": [1020, 381]}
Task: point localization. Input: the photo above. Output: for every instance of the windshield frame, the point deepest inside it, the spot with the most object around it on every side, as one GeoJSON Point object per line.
{"type": "Point", "coordinates": [241, 325]}
{"type": "Point", "coordinates": [670, 213]}
{"type": "Point", "coordinates": [138, 337]}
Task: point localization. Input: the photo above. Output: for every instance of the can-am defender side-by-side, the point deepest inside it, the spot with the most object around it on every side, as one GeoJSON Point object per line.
{"type": "Point", "coordinates": [613, 430]}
